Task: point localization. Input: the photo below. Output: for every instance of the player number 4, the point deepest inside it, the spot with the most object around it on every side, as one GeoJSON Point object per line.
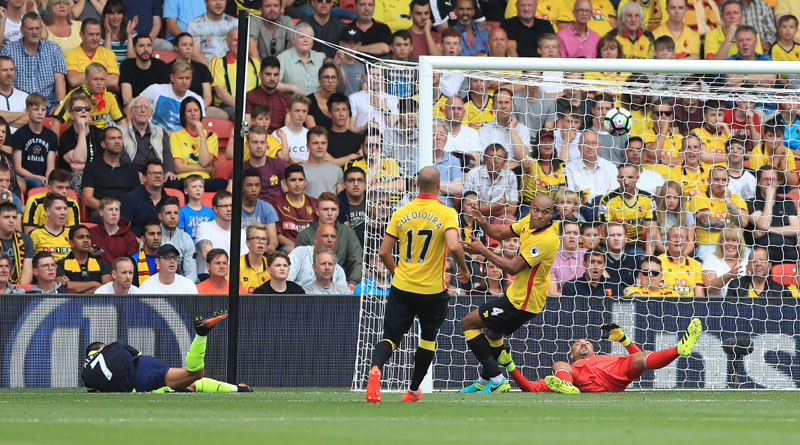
{"type": "Point", "coordinates": [426, 243]}
{"type": "Point", "coordinates": [496, 311]}
{"type": "Point", "coordinates": [100, 359]}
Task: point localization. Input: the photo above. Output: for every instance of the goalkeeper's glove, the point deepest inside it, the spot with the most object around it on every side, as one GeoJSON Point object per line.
{"type": "Point", "coordinates": [505, 359]}
{"type": "Point", "coordinates": [612, 331]}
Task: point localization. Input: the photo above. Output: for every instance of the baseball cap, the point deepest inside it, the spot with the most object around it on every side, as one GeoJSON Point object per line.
{"type": "Point", "coordinates": [350, 34]}
{"type": "Point", "coordinates": [165, 249]}
{"type": "Point", "coordinates": [546, 133]}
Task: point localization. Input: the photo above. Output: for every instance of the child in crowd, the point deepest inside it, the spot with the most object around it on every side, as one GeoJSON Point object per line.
{"type": "Point", "coordinates": [548, 48]}
{"type": "Point", "coordinates": [714, 134]}
{"type": "Point", "coordinates": [194, 212]}
{"type": "Point", "coordinates": [35, 147]}
{"type": "Point", "coordinates": [294, 131]}
{"type": "Point", "coordinates": [261, 117]}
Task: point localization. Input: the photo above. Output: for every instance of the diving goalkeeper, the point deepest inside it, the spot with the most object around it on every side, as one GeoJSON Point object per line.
{"type": "Point", "coordinates": [118, 367]}
{"type": "Point", "coordinates": [603, 373]}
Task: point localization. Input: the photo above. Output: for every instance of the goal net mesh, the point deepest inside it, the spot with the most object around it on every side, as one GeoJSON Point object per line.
{"type": "Point", "coordinates": [695, 149]}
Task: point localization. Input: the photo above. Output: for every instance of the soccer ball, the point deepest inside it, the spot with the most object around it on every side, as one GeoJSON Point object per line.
{"type": "Point", "coordinates": [618, 121]}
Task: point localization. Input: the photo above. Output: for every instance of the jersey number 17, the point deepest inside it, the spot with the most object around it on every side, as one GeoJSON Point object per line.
{"type": "Point", "coordinates": [426, 244]}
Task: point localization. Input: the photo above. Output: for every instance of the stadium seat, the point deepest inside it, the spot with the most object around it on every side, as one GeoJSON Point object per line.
{"type": "Point", "coordinates": [178, 194]}
{"type": "Point", "coordinates": [89, 225]}
{"type": "Point", "coordinates": [165, 56]}
{"type": "Point", "coordinates": [207, 198]}
{"type": "Point", "coordinates": [222, 127]}
{"type": "Point", "coordinates": [784, 273]}
{"type": "Point", "coordinates": [223, 166]}
{"type": "Point", "coordinates": [48, 123]}
{"type": "Point", "coordinates": [25, 287]}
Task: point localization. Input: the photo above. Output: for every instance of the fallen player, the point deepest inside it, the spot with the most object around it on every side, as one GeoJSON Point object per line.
{"type": "Point", "coordinates": [118, 367]}
{"type": "Point", "coordinates": [603, 373]}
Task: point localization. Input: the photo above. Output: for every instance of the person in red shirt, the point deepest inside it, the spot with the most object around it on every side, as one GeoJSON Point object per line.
{"type": "Point", "coordinates": [295, 208]}
{"type": "Point", "coordinates": [603, 373]}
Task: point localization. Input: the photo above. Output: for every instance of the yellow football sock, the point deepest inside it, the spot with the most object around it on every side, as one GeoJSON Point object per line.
{"type": "Point", "coordinates": [496, 343]}
{"type": "Point", "coordinates": [195, 359]}
{"type": "Point", "coordinates": [210, 385]}
{"type": "Point", "coordinates": [472, 333]}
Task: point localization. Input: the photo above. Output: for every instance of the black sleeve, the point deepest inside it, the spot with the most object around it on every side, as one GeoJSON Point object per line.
{"type": "Point", "coordinates": [88, 176]}
{"type": "Point", "coordinates": [60, 269]}
{"type": "Point", "coordinates": [384, 35]}
{"type": "Point", "coordinates": [125, 73]}
{"type": "Point", "coordinates": [68, 142]}
{"type": "Point", "coordinates": [202, 71]}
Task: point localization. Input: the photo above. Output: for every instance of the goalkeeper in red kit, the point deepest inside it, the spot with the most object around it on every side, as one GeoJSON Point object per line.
{"type": "Point", "coordinates": [603, 373]}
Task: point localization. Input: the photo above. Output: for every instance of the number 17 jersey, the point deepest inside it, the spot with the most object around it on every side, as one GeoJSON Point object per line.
{"type": "Point", "coordinates": [419, 227]}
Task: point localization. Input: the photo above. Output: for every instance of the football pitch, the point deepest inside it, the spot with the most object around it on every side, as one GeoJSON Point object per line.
{"type": "Point", "coordinates": [340, 416]}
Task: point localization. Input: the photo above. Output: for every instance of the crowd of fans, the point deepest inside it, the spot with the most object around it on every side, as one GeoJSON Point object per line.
{"type": "Point", "coordinates": [112, 180]}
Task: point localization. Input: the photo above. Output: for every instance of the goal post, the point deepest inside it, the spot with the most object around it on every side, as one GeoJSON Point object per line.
{"type": "Point", "coordinates": [749, 340]}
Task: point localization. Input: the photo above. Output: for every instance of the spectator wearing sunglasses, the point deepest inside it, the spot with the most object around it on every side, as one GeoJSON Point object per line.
{"type": "Point", "coordinates": [649, 280]}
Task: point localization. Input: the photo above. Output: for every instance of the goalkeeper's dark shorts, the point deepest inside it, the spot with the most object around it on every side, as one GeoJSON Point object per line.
{"type": "Point", "coordinates": [501, 316]}
{"type": "Point", "coordinates": [402, 307]}
{"type": "Point", "coordinates": [148, 373]}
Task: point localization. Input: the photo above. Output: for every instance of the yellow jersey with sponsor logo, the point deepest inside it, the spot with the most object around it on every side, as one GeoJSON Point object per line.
{"type": "Point", "coordinates": [682, 276]}
{"type": "Point", "coordinates": [538, 248]}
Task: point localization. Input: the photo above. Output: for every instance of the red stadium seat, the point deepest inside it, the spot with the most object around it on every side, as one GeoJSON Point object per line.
{"type": "Point", "coordinates": [165, 56]}
{"type": "Point", "coordinates": [207, 198]}
{"type": "Point", "coordinates": [89, 225]}
{"type": "Point", "coordinates": [784, 273]}
{"type": "Point", "coordinates": [223, 166]}
{"type": "Point", "coordinates": [25, 287]}
{"type": "Point", "coordinates": [178, 194]}
{"type": "Point", "coordinates": [222, 127]}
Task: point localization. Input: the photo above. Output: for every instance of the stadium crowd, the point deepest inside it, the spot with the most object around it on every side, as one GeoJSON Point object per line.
{"type": "Point", "coordinates": [116, 135]}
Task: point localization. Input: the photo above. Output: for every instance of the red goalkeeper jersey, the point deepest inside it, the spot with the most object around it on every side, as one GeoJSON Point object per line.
{"type": "Point", "coordinates": [604, 373]}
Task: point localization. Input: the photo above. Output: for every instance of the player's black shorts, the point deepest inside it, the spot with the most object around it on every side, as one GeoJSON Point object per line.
{"type": "Point", "coordinates": [148, 373]}
{"type": "Point", "coordinates": [402, 307]}
{"type": "Point", "coordinates": [500, 315]}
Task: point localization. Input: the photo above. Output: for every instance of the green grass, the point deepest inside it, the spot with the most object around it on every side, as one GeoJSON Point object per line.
{"type": "Point", "coordinates": [325, 416]}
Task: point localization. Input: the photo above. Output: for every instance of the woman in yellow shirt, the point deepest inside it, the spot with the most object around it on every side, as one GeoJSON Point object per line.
{"type": "Point", "coordinates": [194, 148]}
{"type": "Point", "coordinates": [607, 48]}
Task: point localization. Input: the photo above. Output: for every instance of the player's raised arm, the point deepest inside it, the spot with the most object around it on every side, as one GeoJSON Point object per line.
{"type": "Point", "coordinates": [457, 253]}
{"type": "Point", "coordinates": [509, 266]}
{"type": "Point", "coordinates": [612, 332]}
{"type": "Point", "coordinates": [493, 231]}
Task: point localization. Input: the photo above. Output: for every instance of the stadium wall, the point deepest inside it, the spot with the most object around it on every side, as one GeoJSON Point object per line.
{"type": "Point", "coordinates": [311, 340]}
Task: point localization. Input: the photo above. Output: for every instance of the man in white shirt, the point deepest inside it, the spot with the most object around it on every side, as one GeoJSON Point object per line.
{"type": "Point", "coordinates": [365, 107]}
{"type": "Point", "coordinates": [324, 266]}
{"type": "Point", "coordinates": [167, 97]}
{"type": "Point", "coordinates": [649, 180]}
{"type": "Point", "coordinates": [301, 258]}
{"type": "Point", "coordinates": [461, 139]}
{"type": "Point", "coordinates": [495, 185]}
{"type": "Point", "coordinates": [217, 233]}
{"type": "Point", "coordinates": [12, 109]}
{"type": "Point", "coordinates": [506, 130]}
{"type": "Point", "coordinates": [121, 279]}
{"type": "Point", "coordinates": [167, 281]}
{"type": "Point", "coordinates": [591, 175]}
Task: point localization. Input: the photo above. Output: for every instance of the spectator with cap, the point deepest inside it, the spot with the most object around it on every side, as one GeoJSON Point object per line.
{"type": "Point", "coordinates": [354, 71]}
{"type": "Point", "coordinates": [167, 281]}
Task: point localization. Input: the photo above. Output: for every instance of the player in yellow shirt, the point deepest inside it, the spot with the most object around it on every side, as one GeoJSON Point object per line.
{"type": "Point", "coordinates": [424, 230]}
{"type": "Point", "coordinates": [714, 210]}
{"type": "Point", "coordinates": [649, 281]}
{"type": "Point", "coordinates": [523, 299]}
{"type": "Point", "coordinates": [193, 147]}
{"type": "Point", "coordinates": [52, 236]}
{"type": "Point", "coordinates": [105, 108]}
{"type": "Point", "coordinates": [683, 274]}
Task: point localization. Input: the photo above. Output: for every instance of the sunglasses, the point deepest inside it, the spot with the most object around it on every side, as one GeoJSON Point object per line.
{"type": "Point", "coordinates": [77, 109]}
{"type": "Point", "coordinates": [652, 272]}
{"type": "Point", "coordinates": [665, 113]}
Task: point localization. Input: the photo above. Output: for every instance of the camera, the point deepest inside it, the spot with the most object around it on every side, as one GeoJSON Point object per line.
{"type": "Point", "coordinates": [5, 196]}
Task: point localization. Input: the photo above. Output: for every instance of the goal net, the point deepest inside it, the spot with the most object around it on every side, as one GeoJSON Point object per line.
{"type": "Point", "coordinates": [707, 187]}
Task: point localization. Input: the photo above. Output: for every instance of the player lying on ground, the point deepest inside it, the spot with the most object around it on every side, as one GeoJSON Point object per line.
{"type": "Point", "coordinates": [118, 367]}
{"type": "Point", "coordinates": [603, 373]}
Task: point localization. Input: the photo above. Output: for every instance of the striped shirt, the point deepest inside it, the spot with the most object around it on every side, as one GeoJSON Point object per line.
{"type": "Point", "coordinates": [37, 73]}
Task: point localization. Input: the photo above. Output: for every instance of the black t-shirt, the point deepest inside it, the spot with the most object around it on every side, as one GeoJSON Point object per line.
{"type": "Point", "coordinates": [343, 144]}
{"type": "Point", "coordinates": [527, 38]}
{"type": "Point", "coordinates": [200, 74]}
{"type": "Point", "coordinates": [319, 117]}
{"type": "Point", "coordinates": [329, 32]}
{"type": "Point", "coordinates": [110, 181]}
{"type": "Point", "coordinates": [92, 270]}
{"type": "Point", "coordinates": [292, 288]}
{"type": "Point", "coordinates": [356, 218]}
{"type": "Point", "coordinates": [70, 139]}
{"type": "Point", "coordinates": [34, 148]}
{"type": "Point", "coordinates": [377, 33]}
{"type": "Point", "coordinates": [781, 248]}
{"type": "Point", "coordinates": [141, 79]}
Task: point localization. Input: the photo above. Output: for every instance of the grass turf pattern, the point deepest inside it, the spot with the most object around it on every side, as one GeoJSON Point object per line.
{"type": "Point", "coordinates": [308, 415]}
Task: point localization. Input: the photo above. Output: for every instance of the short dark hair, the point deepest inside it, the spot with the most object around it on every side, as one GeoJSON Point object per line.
{"type": "Point", "coordinates": [141, 36]}
{"type": "Point", "coordinates": [251, 173]}
{"type": "Point", "coordinates": [774, 127]}
{"type": "Point", "coordinates": [51, 198]}
{"type": "Point", "coordinates": [259, 110]}
{"type": "Point", "coordinates": [569, 220]}
{"type": "Point", "coordinates": [59, 175]}
{"type": "Point", "coordinates": [150, 222]}
{"type": "Point", "coordinates": [319, 130]}
{"type": "Point", "coordinates": [418, 3]}
{"type": "Point", "coordinates": [89, 21]}
{"type": "Point", "coordinates": [665, 41]}
{"type": "Point", "coordinates": [182, 35]}
{"type": "Point", "coordinates": [214, 253]}
{"type": "Point", "coordinates": [74, 229]}
{"type": "Point", "coordinates": [149, 162]}
{"type": "Point", "coordinates": [293, 168]}
{"type": "Point", "coordinates": [278, 254]}
{"type": "Point", "coordinates": [39, 256]}
{"type": "Point", "coordinates": [593, 252]}
{"type": "Point", "coordinates": [219, 196]}
{"type": "Point", "coordinates": [109, 130]}
{"type": "Point", "coordinates": [270, 62]}
{"type": "Point", "coordinates": [785, 18]}
{"type": "Point", "coordinates": [648, 259]}
{"type": "Point", "coordinates": [8, 207]}
{"type": "Point", "coordinates": [167, 201]}
{"type": "Point", "coordinates": [337, 98]}
{"type": "Point", "coordinates": [353, 170]}
{"type": "Point", "coordinates": [401, 34]}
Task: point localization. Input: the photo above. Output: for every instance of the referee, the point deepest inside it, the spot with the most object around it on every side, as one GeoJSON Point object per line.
{"type": "Point", "coordinates": [423, 228]}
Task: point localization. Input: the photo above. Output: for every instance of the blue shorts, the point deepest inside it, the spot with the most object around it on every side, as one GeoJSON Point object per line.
{"type": "Point", "coordinates": [148, 373]}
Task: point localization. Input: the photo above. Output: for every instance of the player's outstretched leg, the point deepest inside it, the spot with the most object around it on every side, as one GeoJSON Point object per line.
{"type": "Point", "coordinates": [210, 385]}
{"type": "Point", "coordinates": [179, 378]}
{"type": "Point", "coordinates": [491, 380]}
{"type": "Point", "coordinates": [693, 332]}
